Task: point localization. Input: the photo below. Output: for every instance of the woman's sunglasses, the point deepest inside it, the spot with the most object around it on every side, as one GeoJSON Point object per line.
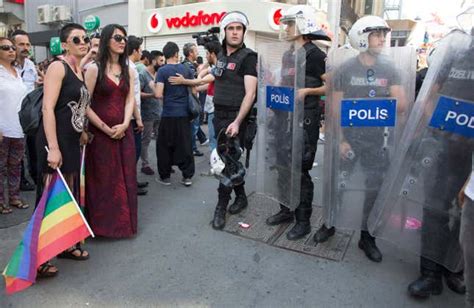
{"type": "Point", "coordinates": [7, 47]}
{"type": "Point", "coordinates": [77, 40]}
{"type": "Point", "coordinates": [119, 38]}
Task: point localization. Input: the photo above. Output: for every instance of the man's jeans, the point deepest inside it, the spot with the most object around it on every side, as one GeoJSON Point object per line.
{"type": "Point", "coordinates": [197, 131]}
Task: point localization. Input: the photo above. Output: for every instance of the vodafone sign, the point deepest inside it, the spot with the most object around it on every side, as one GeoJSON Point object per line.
{"type": "Point", "coordinates": [188, 20]}
{"type": "Point", "coordinates": [274, 18]}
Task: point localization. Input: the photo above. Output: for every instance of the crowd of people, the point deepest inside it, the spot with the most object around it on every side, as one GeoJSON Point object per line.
{"type": "Point", "coordinates": [106, 96]}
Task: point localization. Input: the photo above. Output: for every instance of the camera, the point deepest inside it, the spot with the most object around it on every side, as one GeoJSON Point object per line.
{"type": "Point", "coordinates": [210, 35]}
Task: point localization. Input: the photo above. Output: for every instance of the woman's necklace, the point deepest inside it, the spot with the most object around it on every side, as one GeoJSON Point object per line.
{"type": "Point", "coordinates": [116, 75]}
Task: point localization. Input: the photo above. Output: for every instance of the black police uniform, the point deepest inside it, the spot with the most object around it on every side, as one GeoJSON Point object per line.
{"type": "Point", "coordinates": [228, 96]}
{"type": "Point", "coordinates": [439, 236]}
{"type": "Point", "coordinates": [315, 67]}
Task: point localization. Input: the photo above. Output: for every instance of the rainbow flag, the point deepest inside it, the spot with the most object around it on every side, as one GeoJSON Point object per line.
{"type": "Point", "coordinates": [82, 180]}
{"type": "Point", "coordinates": [56, 225]}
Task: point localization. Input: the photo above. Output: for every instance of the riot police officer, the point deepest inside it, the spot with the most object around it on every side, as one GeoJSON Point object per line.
{"type": "Point", "coordinates": [235, 91]}
{"type": "Point", "coordinates": [300, 27]}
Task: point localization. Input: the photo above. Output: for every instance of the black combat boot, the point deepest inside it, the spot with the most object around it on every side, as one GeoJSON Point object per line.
{"type": "Point", "coordinates": [218, 222]}
{"type": "Point", "coordinates": [367, 244]}
{"type": "Point", "coordinates": [302, 226]}
{"type": "Point", "coordinates": [429, 283]}
{"type": "Point", "coordinates": [240, 201]}
{"type": "Point", "coordinates": [323, 234]}
{"type": "Point", "coordinates": [455, 281]}
{"type": "Point", "coordinates": [284, 215]}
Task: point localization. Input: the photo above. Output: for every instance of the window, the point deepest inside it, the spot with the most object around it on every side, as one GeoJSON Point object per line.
{"type": "Point", "coordinates": [368, 8]}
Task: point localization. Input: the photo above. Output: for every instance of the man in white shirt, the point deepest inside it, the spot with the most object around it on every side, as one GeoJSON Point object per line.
{"type": "Point", "coordinates": [134, 54]}
{"type": "Point", "coordinates": [27, 70]}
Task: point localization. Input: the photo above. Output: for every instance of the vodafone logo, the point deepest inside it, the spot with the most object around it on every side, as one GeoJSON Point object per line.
{"type": "Point", "coordinates": [196, 20]}
{"type": "Point", "coordinates": [155, 22]}
{"type": "Point", "coordinates": [274, 18]}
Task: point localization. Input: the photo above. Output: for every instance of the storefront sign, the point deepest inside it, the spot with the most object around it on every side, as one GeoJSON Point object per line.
{"type": "Point", "coordinates": [189, 20]}
{"type": "Point", "coordinates": [274, 18]}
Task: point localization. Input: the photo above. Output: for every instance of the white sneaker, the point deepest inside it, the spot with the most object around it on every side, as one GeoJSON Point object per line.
{"type": "Point", "coordinates": [186, 182]}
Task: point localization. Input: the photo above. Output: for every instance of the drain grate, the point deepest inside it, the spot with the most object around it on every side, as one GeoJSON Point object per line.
{"type": "Point", "coordinates": [261, 207]}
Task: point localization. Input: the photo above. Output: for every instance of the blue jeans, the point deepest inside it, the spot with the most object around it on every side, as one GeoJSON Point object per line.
{"type": "Point", "coordinates": [197, 131]}
{"type": "Point", "coordinates": [211, 132]}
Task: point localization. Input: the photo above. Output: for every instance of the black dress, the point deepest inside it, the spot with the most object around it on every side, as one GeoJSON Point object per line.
{"type": "Point", "coordinates": [70, 113]}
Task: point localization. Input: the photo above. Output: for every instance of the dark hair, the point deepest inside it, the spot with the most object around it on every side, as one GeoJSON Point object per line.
{"type": "Point", "coordinates": [199, 60]}
{"type": "Point", "coordinates": [104, 54]}
{"type": "Point", "coordinates": [145, 54]}
{"type": "Point", "coordinates": [156, 53]}
{"type": "Point", "coordinates": [170, 50]}
{"type": "Point", "coordinates": [133, 44]}
{"type": "Point", "coordinates": [213, 47]}
{"type": "Point", "coordinates": [2, 38]}
{"type": "Point", "coordinates": [67, 29]}
{"type": "Point", "coordinates": [18, 32]}
{"type": "Point", "coordinates": [188, 48]}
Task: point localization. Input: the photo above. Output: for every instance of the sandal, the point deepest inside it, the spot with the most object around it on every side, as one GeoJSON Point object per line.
{"type": "Point", "coordinates": [19, 204]}
{"type": "Point", "coordinates": [46, 270]}
{"type": "Point", "coordinates": [69, 254]}
{"type": "Point", "coordinates": [5, 209]}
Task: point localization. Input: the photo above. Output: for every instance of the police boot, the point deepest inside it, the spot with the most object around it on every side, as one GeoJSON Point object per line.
{"type": "Point", "coordinates": [240, 201]}
{"type": "Point", "coordinates": [302, 226]}
{"type": "Point", "coordinates": [455, 281]}
{"type": "Point", "coordinates": [427, 284]}
{"type": "Point", "coordinates": [284, 215]}
{"type": "Point", "coordinates": [323, 234]}
{"type": "Point", "coordinates": [218, 222]}
{"type": "Point", "coordinates": [367, 244]}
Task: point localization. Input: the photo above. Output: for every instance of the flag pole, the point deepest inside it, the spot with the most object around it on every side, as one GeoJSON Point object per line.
{"type": "Point", "coordinates": [72, 197]}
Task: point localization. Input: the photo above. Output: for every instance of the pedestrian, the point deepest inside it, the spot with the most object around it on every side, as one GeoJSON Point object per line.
{"type": "Point", "coordinates": [111, 177]}
{"type": "Point", "coordinates": [301, 36]}
{"type": "Point", "coordinates": [32, 78]}
{"type": "Point", "coordinates": [191, 53]}
{"type": "Point", "coordinates": [12, 145]}
{"type": "Point", "coordinates": [134, 52]}
{"type": "Point", "coordinates": [235, 88]}
{"type": "Point", "coordinates": [150, 106]}
{"type": "Point", "coordinates": [173, 145]}
{"type": "Point", "coordinates": [65, 102]}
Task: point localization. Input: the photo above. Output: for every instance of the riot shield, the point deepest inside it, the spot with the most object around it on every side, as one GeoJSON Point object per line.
{"type": "Point", "coordinates": [368, 99]}
{"type": "Point", "coordinates": [416, 208]}
{"type": "Point", "coordinates": [281, 69]}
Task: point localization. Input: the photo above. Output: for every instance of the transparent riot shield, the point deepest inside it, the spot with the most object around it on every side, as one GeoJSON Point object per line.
{"type": "Point", "coordinates": [416, 208]}
{"type": "Point", "coordinates": [368, 100]}
{"type": "Point", "coordinates": [280, 122]}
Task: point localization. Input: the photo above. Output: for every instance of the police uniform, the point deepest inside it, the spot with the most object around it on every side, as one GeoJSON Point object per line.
{"type": "Point", "coordinates": [229, 93]}
{"type": "Point", "coordinates": [314, 68]}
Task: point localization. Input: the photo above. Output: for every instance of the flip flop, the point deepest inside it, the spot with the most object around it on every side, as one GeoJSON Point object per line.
{"type": "Point", "coordinates": [19, 204]}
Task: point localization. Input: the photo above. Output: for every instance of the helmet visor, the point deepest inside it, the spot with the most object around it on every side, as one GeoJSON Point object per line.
{"type": "Point", "coordinates": [290, 27]}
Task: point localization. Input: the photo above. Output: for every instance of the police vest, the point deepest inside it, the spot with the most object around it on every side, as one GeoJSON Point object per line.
{"type": "Point", "coordinates": [229, 87]}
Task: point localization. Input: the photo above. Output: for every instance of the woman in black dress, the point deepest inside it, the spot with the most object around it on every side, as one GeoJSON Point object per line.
{"type": "Point", "coordinates": [65, 102]}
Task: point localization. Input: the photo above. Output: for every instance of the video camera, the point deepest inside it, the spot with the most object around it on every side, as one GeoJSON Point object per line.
{"type": "Point", "coordinates": [210, 35]}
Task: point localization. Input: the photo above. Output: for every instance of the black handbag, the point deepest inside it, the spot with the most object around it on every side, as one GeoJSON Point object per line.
{"type": "Point", "coordinates": [194, 106]}
{"type": "Point", "coordinates": [30, 113]}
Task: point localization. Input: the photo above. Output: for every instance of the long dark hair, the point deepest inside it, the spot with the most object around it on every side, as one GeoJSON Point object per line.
{"type": "Point", "coordinates": [104, 54]}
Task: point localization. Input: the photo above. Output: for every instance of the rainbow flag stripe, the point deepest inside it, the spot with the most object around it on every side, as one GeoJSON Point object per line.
{"type": "Point", "coordinates": [82, 180]}
{"type": "Point", "coordinates": [56, 225]}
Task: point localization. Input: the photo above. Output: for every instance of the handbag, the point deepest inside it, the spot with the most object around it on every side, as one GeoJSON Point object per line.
{"type": "Point", "coordinates": [194, 106]}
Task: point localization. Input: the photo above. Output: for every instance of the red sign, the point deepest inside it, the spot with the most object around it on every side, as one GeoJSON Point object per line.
{"type": "Point", "coordinates": [17, 1]}
{"type": "Point", "coordinates": [190, 20]}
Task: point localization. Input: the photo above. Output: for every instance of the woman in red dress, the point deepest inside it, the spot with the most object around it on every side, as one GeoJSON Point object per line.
{"type": "Point", "coordinates": [111, 179]}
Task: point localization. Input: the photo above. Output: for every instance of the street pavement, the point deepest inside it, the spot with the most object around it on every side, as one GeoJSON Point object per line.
{"type": "Point", "coordinates": [178, 260]}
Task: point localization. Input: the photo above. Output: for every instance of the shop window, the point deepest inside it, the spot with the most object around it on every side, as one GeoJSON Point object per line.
{"type": "Point", "coordinates": [368, 8]}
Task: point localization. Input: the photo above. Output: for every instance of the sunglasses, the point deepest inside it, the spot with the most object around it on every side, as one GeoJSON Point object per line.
{"type": "Point", "coordinates": [7, 47]}
{"type": "Point", "coordinates": [77, 40]}
{"type": "Point", "coordinates": [119, 38]}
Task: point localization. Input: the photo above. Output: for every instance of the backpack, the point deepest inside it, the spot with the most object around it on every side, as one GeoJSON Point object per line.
{"type": "Point", "coordinates": [30, 113]}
